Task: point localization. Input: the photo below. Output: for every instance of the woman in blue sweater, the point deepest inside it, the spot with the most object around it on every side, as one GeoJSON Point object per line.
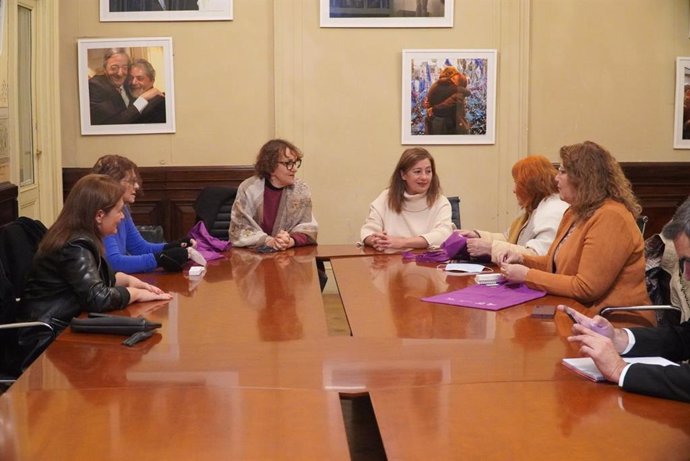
{"type": "Point", "coordinates": [127, 251]}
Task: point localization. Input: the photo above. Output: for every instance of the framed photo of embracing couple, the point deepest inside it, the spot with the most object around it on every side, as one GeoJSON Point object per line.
{"type": "Point", "coordinates": [448, 97]}
{"type": "Point", "coordinates": [126, 86]}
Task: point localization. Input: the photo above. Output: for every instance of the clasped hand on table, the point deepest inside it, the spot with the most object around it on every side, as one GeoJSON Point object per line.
{"type": "Point", "coordinates": [282, 241]}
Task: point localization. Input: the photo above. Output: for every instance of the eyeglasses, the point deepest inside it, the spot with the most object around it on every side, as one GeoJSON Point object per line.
{"type": "Point", "coordinates": [292, 164]}
{"type": "Point", "coordinates": [131, 181]}
{"type": "Point", "coordinates": [115, 68]}
{"type": "Point", "coordinates": [683, 263]}
{"type": "Point", "coordinates": [562, 170]}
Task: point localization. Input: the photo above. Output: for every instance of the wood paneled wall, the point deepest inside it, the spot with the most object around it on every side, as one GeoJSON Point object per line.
{"type": "Point", "coordinates": [9, 209]}
{"type": "Point", "coordinates": [660, 188]}
{"type": "Point", "coordinates": [169, 192]}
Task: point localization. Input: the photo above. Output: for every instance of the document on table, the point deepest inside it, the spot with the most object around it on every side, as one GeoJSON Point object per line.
{"type": "Point", "coordinates": [585, 365]}
{"type": "Point", "coordinates": [486, 297]}
{"type": "Point", "coordinates": [467, 268]}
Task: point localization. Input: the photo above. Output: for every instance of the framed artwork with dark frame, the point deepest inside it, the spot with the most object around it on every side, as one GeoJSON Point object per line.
{"type": "Point", "coordinates": [387, 13]}
{"type": "Point", "coordinates": [126, 86]}
{"type": "Point", "coordinates": [681, 125]}
{"type": "Point", "coordinates": [448, 96]}
{"type": "Point", "coordinates": [166, 10]}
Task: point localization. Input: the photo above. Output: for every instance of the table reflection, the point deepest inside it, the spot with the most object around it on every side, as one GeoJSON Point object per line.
{"type": "Point", "coordinates": [273, 284]}
{"type": "Point", "coordinates": [406, 283]}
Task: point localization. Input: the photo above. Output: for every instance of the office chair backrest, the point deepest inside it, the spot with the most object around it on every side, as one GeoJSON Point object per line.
{"type": "Point", "coordinates": [18, 243]}
{"type": "Point", "coordinates": [455, 210]}
{"type": "Point", "coordinates": [661, 267]}
{"type": "Point", "coordinates": [213, 206]}
{"type": "Point", "coordinates": [642, 223]}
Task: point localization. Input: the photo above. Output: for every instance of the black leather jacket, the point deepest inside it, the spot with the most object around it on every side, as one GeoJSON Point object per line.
{"type": "Point", "coordinates": [66, 282]}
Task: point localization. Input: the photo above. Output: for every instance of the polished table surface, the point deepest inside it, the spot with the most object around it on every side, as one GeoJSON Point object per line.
{"type": "Point", "coordinates": [243, 368]}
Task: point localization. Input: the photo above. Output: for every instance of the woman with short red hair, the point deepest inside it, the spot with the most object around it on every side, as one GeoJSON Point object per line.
{"type": "Point", "coordinates": [532, 232]}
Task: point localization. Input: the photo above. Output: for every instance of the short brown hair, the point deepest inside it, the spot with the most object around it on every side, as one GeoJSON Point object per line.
{"type": "Point", "coordinates": [269, 155]}
{"type": "Point", "coordinates": [117, 167]}
{"type": "Point", "coordinates": [596, 176]}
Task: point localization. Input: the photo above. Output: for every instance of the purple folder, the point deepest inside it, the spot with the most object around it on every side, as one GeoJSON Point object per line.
{"type": "Point", "coordinates": [490, 298]}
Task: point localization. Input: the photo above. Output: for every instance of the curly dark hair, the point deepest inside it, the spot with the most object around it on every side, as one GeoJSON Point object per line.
{"type": "Point", "coordinates": [269, 156]}
{"type": "Point", "coordinates": [117, 167]}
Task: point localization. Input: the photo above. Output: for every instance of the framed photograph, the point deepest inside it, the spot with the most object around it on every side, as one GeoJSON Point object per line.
{"type": "Point", "coordinates": [166, 10]}
{"type": "Point", "coordinates": [126, 86]}
{"type": "Point", "coordinates": [681, 126]}
{"type": "Point", "coordinates": [387, 13]}
{"type": "Point", "coordinates": [449, 97]}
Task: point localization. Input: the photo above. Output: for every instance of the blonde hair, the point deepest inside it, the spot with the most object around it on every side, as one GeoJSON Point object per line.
{"type": "Point", "coordinates": [596, 176]}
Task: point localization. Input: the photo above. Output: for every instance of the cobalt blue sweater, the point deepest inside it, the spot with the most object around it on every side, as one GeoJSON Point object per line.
{"type": "Point", "coordinates": [127, 251]}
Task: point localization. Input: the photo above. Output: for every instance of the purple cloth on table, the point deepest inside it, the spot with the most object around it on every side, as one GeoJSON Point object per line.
{"type": "Point", "coordinates": [455, 247]}
{"type": "Point", "coordinates": [487, 297]}
{"type": "Point", "coordinates": [209, 246]}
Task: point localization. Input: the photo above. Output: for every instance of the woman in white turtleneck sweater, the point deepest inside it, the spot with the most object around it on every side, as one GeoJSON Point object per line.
{"type": "Point", "coordinates": [412, 212]}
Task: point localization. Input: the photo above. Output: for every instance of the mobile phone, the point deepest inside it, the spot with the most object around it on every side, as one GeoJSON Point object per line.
{"type": "Point", "coordinates": [265, 249]}
{"type": "Point", "coordinates": [570, 316]}
{"type": "Point", "coordinates": [544, 312]}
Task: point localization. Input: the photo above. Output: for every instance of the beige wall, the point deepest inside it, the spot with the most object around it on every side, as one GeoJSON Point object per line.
{"type": "Point", "coordinates": [223, 87]}
{"type": "Point", "coordinates": [568, 70]}
{"type": "Point", "coordinates": [605, 70]}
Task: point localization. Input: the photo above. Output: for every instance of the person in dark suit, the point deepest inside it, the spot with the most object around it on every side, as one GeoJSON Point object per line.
{"type": "Point", "coordinates": [110, 99]}
{"type": "Point", "coordinates": [142, 77]}
{"type": "Point", "coordinates": [602, 342]}
{"type": "Point", "coordinates": [153, 5]}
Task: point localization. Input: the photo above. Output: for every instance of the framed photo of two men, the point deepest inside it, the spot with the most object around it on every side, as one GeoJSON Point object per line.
{"type": "Point", "coordinates": [166, 10]}
{"type": "Point", "coordinates": [126, 86]}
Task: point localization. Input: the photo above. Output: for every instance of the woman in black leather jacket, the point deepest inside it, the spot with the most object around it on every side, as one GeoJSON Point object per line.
{"type": "Point", "coordinates": [69, 273]}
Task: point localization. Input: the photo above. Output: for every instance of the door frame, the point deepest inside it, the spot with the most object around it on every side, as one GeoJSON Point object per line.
{"type": "Point", "coordinates": [47, 189]}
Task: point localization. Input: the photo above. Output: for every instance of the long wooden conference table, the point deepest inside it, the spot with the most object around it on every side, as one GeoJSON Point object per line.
{"type": "Point", "coordinates": [243, 368]}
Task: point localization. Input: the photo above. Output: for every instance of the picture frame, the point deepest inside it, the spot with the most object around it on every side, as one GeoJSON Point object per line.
{"type": "Point", "coordinates": [681, 125]}
{"type": "Point", "coordinates": [441, 107]}
{"type": "Point", "coordinates": [177, 10]}
{"type": "Point", "coordinates": [103, 107]}
{"type": "Point", "coordinates": [387, 13]}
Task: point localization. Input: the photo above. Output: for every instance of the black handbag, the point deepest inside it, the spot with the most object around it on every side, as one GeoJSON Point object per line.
{"type": "Point", "coordinates": [112, 325]}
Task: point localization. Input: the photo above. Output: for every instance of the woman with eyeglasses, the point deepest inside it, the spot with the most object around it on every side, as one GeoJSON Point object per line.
{"type": "Point", "coordinates": [126, 250]}
{"type": "Point", "coordinates": [412, 212]}
{"type": "Point", "coordinates": [597, 256]}
{"type": "Point", "coordinates": [273, 208]}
